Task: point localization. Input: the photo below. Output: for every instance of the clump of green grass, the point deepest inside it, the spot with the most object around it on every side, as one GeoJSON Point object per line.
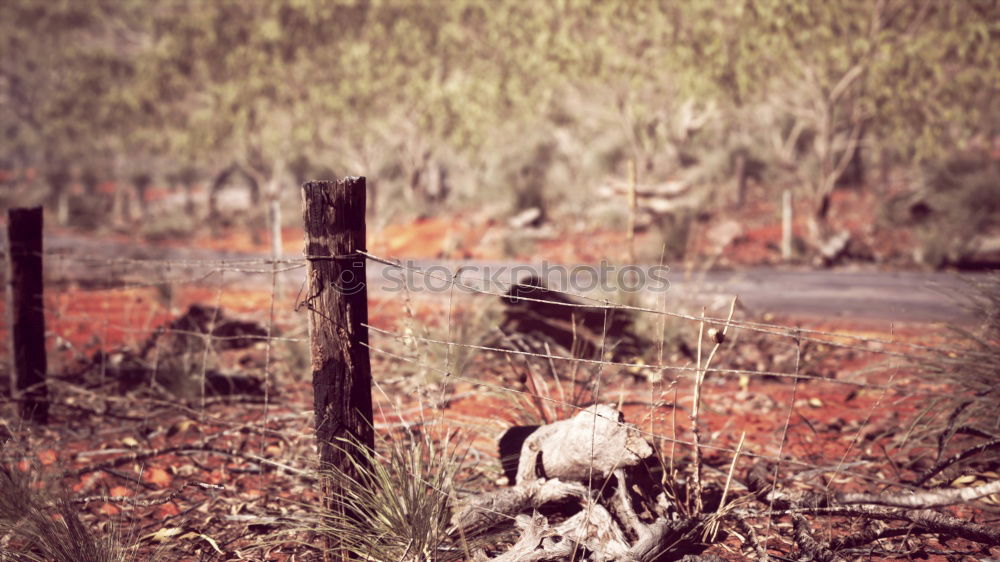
{"type": "Point", "coordinates": [37, 526]}
{"type": "Point", "coordinates": [968, 409]}
{"type": "Point", "coordinates": [974, 370]}
{"type": "Point", "coordinates": [397, 503]}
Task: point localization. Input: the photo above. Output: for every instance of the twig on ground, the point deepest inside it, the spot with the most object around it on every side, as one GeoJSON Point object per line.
{"type": "Point", "coordinates": [752, 539]}
{"type": "Point", "coordinates": [957, 457]}
{"type": "Point", "coordinates": [923, 500]}
{"type": "Point", "coordinates": [305, 475]}
{"type": "Point", "coordinates": [147, 501]}
{"type": "Point", "coordinates": [805, 540]}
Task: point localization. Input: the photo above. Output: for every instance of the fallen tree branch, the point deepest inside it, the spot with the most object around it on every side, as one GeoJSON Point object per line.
{"type": "Point", "coordinates": [576, 470]}
{"type": "Point", "coordinates": [876, 530]}
{"type": "Point", "coordinates": [805, 540]}
{"type": "Point", "coordinates": [538, 542]}
{"type": "Point", "coordinates": [957, 457]}
{"type": "Point", "coordinates": [752, 539]}
{"type": "Point", "coordinates": [146, 502]}
{"type": "Point", "coordinates": [758, 481]}
{"type": "Point", "coordinates": [900, 508]}
{"type": "Point", "coordinates": [489, 509]}
{"type": "Point", "coordinates": [922, 500]}
{"type": "Point", "coordinates": [931, 521]}
{"type": "Point", "coordinates": [305, 475]}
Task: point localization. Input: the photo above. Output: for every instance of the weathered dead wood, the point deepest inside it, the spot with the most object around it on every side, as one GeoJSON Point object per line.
{"type": "Point", "coordinates": [334, 220]}
{"type": "Point", "coordinates": [994, 443]}
{"type": "Point", "coordinates": [26, 313]}
{"type": "Point", "coordinates": [800, 503]}
{"type": "Point", "coordinates": [751, 539]}
{"type": "Point", "coordinates": [585, 448]}
{"type": "Point", "coordinates": [226, 332]}
{"type": "Point", "coordinates": [546, 315]}
{"type": "Point", "coordinates": [490, 509]}
{"type": "Point", "coordinates": [931, 521]}
{"type": "Point", "coordinates": [578, 469]}
{"type": "Point", "coordinates": [808, 543]}
{"type": "Point", "coordinates": [874, 530]}
{"type": "Point", "coordinates": [925, 499]}
{"type": "Point", "coordinates": [759, 482]}
{"type": "Point", "coordinates": [538, 542]}
{"type": "Point", "coordinates": [595, 528]}
{"type": "Point", "coordinates": [173, 357]}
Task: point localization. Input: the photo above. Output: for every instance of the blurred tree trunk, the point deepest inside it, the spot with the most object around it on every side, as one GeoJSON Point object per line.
{"type": "Point", "coordinates": [141, 183]}
{"type": "Point", "coordinates": [58, 181]}
{"type": "Point", "coordinates": [221, 181]}
{"type": "Point", "coordinates": [122, 206]}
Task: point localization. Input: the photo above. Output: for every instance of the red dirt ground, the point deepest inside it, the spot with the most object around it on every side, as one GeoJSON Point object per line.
{"type": "Point", "coordinates": [852, 419]}
{"type": "Point", "coordinates": [827, 423]}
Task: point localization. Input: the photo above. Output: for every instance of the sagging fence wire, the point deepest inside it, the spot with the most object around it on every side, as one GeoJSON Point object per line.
{"type": "Point", "coordinates": [461, 280]}
{"type": "Point", "coordinates": [654, 435]}
{"type": "Point", "coordinates": [648, 366]}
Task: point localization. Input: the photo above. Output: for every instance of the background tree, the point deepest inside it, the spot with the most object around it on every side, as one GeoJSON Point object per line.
{"type": "Point", "coordinates": [60, 82]}
{"type": "Point", "coordinates": [447, 102]}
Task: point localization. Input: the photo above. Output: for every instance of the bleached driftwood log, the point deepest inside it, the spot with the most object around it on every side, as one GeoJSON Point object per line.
{"type": "Point", "coordinates": [584, 448]}
{"type": "Point", "coordinates": [578, 471]}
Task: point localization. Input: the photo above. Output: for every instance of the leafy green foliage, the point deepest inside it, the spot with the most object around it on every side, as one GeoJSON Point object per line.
{"type": "Point", "coordinates": [373, 87]}
{"type": "Point", "coordinates": [961, 196]}
{"type": "Point", "coordinates": [61, 76]}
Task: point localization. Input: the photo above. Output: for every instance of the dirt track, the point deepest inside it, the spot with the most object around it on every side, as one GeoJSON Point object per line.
{"type": "Point", "coordinates": [862, 295]}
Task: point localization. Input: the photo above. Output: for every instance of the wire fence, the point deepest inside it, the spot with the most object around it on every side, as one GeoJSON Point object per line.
{"type": "Point", "coordinates": [172, 274]}
{"type": "Point", "coordinates": [98, 305]}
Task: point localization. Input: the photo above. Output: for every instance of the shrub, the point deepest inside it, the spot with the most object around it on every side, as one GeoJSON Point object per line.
{"type": "Point", "coordinates": [957, 201]}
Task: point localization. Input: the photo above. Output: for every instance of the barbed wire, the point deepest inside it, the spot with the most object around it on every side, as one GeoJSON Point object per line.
{"type": "Point", "coordinates": [298, 263]}
{"type": "Point", "coordinates": [192, 333]}
{"type": "Point", "coordinates": [718, 448]}
{"type": "Point", "coordinates": [462, 279]}
{"type": "Point", "coordinates": [239, 265]}
{"type": "Point", "coordinates": [772, 329]}
{"type": "Point", "coordinates": [458, 280]}
{"type": "Point", "coordinates": [909, 390]}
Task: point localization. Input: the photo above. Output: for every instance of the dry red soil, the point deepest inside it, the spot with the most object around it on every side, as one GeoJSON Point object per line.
{"type": "Point", "coordinates": [846, 419]}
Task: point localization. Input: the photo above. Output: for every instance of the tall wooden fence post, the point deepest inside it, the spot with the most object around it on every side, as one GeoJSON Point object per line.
{"type": "Point", "coordinates": [337, 300]}
{"type": "Point", "coordinates": [26, 313]}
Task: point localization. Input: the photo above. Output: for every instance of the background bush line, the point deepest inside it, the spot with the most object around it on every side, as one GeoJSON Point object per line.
{"type": "Point", "coordinates": [465, 101]}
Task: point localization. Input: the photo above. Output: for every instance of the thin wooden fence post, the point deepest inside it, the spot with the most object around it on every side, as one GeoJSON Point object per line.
{"type": "Point", "coordinates": [337, 300]}
{"type": "Point", "coordinates": [786, 225]}
{"type": "Point", "coordinates": [26, 313]}
{"type": "Point", "coordinates": [632, 209]}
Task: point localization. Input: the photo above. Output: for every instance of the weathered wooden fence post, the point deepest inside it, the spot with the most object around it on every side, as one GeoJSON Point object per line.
{"type": "Point", "coordinates": [334, 217]}
{"type": "Point", "coordinates": [786, 225]}
{"type": "Point", "coordinates": [26, 313]}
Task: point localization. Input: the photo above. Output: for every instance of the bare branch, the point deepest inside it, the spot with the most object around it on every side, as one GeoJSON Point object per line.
{"type": "Point", "coordinates": [930, 498]}
{"type": "Point", "coordinates": [932, 471]}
